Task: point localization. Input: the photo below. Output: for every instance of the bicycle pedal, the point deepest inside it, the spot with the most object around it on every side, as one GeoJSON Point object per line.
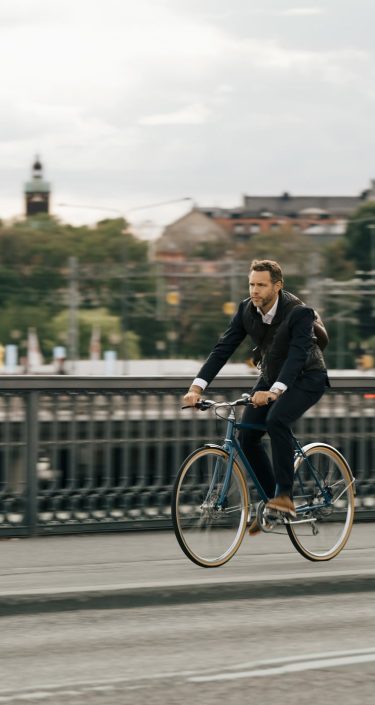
{"type": "Point", "coordinates": [265, 522]}
{"type": "Point", "coordinates": [267, 527]}
{"type": "Point", "coordinates": [272, 516]}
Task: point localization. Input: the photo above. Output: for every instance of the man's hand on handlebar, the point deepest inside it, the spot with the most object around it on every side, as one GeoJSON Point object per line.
{"type": "Point", "coordinates": [193, 395]}
{"type": "Point", "coordinates": [263, 398]}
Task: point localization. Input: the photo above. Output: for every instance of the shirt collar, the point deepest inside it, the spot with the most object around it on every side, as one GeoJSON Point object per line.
{"type": "Point", "coordinates": [269, 316]}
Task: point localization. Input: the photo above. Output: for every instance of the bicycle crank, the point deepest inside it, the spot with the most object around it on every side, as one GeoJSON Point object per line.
{"type": "Point", "coordinates": [267, 518]}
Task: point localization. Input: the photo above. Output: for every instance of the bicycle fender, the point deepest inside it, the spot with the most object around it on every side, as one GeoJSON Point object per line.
{"type": "Point", "coordinates": [215, 445]}
{"type": "Point", "coordinates": [316, 444]}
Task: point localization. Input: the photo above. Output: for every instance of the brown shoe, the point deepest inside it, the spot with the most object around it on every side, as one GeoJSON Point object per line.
{"type": "Point", "coordinates": [254, 528]}
{"type": "Point", "coordinates": [282, 503]}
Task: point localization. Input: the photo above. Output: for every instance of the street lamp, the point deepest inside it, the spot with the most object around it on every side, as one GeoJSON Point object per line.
{"type": "Point", "coordinates": [132, 209]}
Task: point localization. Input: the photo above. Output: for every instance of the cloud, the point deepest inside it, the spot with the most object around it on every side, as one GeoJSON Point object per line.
{"type": "Point", "coordinates": [302, 11]}
{"type": "Point", "coordinates": [246, 97]}
{"type": "Point", "coordinates": [190, 115]}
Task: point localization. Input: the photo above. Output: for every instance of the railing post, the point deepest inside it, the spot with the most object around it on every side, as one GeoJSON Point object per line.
{"type": "Point", "coordinates": [32, 443]}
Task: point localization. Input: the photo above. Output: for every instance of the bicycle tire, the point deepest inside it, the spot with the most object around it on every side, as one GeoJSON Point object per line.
{"type": "Point", "coordinates": [209, 537]}
{"type": "Point", "coordinates": [326, 529]}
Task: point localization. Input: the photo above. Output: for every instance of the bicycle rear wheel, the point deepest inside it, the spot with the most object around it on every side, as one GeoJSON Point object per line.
{"type": "Point", "coordinates": [323, 494]}
{"type": "Point", "coordinates": [209, 533]}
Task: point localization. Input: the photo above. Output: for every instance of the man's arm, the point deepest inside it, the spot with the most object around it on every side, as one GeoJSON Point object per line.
{"type": "Point", "coordinates": [224, 348]}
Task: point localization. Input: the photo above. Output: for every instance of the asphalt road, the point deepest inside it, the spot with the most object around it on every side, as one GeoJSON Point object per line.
{"type": "Point", "coordinates": [316, 649]}
{"type": "Point", "coordinates": [297, 632]}
{"type": "Point", "coordinates": [132, 562]}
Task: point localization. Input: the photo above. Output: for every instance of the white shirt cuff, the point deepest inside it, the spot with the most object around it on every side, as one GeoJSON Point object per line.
{"type": "Point", "coordinates": [200, 383]}
{"type": "Point", "coordinates": [278, 386]}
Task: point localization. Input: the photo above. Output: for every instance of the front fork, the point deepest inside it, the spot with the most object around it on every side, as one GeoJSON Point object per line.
{"type": "Point", "coordinates": [228, 448]}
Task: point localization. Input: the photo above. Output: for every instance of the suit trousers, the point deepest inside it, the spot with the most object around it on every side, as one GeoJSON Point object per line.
{"type": "Point", "coordinates": [278, 417]}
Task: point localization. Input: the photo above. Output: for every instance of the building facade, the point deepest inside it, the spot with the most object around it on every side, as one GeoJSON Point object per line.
{"type": "Point", "coordinates": [324, 216]}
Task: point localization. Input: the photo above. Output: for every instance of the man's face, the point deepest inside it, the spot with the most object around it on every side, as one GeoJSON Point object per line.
{"type": "Point", "coordinates": [263, 291]}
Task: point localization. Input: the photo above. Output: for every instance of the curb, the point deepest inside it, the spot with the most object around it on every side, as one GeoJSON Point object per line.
{"type": "Point", "coordinates": [122, 597]}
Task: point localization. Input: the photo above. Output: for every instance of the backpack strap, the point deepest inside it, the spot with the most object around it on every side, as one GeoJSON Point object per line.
{"type": "Point", "coordinates": [320, 332]}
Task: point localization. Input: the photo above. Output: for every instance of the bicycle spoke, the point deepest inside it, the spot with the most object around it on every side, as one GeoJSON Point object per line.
{"type": "Point", "coordinates": [234, 509]}
{"type": "Point", "coordinates": [209, 526]}
{"type": "Point", "coordinates": [324, 498]}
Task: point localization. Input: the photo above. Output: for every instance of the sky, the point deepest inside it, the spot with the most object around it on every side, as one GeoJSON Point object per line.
{"type": "Point", "coordinates": [156, 101]}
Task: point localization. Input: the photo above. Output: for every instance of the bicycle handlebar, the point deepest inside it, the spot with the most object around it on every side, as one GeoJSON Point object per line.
{"type": "Point", "coordinates": [205, 404]}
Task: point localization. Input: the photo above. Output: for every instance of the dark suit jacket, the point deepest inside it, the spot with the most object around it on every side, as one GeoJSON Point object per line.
{"type": "Point", "coordinates": [290, 354]}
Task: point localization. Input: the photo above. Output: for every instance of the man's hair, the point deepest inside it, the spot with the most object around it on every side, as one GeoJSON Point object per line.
{"type": "Point", "coordinates": [268, 265]}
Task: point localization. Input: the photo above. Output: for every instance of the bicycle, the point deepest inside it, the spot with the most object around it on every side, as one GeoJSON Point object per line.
{"type": "Point", "coordinates": [211, 503]}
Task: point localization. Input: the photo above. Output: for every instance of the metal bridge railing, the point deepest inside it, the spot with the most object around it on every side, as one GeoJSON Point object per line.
{"type": "Point", "coordinates": [81, 454]}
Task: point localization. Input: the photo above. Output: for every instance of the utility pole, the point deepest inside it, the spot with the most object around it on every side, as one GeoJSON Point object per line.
{"type": "Point", "coordinates": [313, 283]}
{"type": "Point", "coordinates": [371, 228]}
{"type": "Point", "coordinates": [125, 305]}
{"type": "Point", "coordinates": [73, 313]}
{"type": "Point", "coordinates": [340, 364]}
{"type": "Point", "coordinates": [233, 280]}
{"type": "Point", "coordinates": [160, 293]}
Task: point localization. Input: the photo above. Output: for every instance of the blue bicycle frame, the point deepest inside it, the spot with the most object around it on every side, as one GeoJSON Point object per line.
{"type": "Point", "coordinates": [232, 447]}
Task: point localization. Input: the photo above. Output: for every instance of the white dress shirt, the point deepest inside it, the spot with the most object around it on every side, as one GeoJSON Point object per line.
{"type": "Point", "coordinates": [270, 315]}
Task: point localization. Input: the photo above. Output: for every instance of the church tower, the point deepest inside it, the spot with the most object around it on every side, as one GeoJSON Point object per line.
{"type": "Point", "coordinates": [37, 191]}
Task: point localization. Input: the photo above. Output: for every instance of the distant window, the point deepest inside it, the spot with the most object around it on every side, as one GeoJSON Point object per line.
{"type": "Point", "coordinates": [239, 228]}
{"type": "Point", "coordinates": [254, 228]}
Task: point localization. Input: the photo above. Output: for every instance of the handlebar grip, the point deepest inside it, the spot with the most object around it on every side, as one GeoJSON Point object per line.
{"type": "Point", "coordinates": [203, 404]}
{"type": "Point", "coordinates": [245, 400]}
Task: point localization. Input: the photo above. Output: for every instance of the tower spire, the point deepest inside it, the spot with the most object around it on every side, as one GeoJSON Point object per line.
{"type": "Point", "coordinates": [37, 168]}
{"type": "Point", "coordinates": [37, 190]}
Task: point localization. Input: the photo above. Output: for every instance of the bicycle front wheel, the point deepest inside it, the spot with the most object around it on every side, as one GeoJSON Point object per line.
{"type": "Point", "coordinates": [209, 523]}
{"type": "Point", "coordinates": [323, 494]}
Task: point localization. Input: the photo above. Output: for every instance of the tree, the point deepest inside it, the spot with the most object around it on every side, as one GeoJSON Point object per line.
{"type": "Point", "coordinates": [16, 319]}
{"type": "Point", "coordinates": [34, 273]}
{"type": "Point", "coordinates": [282, 244]}
{"type": "Point", "coordinates": [336, 262]}
{"type": "Point", "coordinates": [360, 237]}
{"type": "Point", "coordinates": [111, 335]}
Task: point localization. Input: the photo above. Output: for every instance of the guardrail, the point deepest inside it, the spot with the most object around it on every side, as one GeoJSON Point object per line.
{"type": "Point", "coordinates": [92, 454]}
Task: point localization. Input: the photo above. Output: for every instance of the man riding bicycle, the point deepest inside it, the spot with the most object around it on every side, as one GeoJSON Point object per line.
{"type": "Point", "coordinates": [288, 336]}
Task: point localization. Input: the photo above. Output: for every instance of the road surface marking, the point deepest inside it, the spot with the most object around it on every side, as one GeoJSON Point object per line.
{"type": "Point", "coordinates": [290, 665]}
{"type": "Point", "coordinates": [254, 669]}
{"type": "Point", "coordinates": [293, 659]}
